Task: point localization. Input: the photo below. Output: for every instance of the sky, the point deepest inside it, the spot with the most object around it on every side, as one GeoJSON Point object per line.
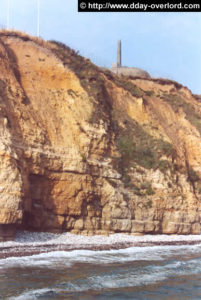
{"type": "Point", "coordinates": [166, 45]}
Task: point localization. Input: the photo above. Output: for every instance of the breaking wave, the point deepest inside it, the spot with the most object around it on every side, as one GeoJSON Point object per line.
{"type": "Point", "coordinates": [124, 278]}
{"type": "Point", "coordinates": [56, 259]}
{"type": "Point", "coordinates": [72, 274]}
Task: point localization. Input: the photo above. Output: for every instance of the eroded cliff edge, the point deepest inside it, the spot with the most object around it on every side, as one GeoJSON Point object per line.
{"type": "Point", "coordinates": [85, 150]}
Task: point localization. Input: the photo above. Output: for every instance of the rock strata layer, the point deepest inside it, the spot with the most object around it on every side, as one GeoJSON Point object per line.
{"type": "Point", "coordinates": [88, 151]}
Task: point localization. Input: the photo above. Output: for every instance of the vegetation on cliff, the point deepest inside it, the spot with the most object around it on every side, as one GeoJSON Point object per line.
{"type": "Point", "coordinates": [86, 150]}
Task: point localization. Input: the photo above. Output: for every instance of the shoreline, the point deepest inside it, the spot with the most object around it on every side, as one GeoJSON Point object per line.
{"type": "Point", "coordinates": [32, 243]}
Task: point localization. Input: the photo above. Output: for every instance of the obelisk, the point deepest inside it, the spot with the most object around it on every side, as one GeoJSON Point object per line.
{"type": "Point", "coordinates": [119, 54]}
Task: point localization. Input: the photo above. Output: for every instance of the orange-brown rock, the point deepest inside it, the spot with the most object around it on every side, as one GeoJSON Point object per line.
{"type": "Point", "coordinates": [88, 151]}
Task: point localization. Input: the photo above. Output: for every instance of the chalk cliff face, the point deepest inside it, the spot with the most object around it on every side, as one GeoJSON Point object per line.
{"type": "Point", "coordinates": [87, 151]}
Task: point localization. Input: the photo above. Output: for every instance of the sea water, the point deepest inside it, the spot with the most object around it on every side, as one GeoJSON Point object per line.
{"type": "Point", "coordinates": [151, 272]}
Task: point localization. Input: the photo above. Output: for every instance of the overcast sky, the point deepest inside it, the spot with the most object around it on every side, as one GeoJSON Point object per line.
{"type": "Point", "coordinates": [164, 44]}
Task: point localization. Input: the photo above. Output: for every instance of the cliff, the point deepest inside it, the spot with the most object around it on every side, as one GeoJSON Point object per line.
{"type": "Point", "coordinates": [88, 151]}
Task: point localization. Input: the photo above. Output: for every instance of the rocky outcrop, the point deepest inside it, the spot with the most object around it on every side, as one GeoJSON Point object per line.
{"type": "Point", "coordinates": [91, 152]}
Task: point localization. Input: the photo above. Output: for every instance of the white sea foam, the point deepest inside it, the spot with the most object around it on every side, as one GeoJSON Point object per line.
{"type": "Point", "coordinates": [56, 259]}
{"type": "Point", "coordinates": [123, 279]}
{"type": "Point", "coordinates": [24, 238]}
{"type": "Point", "coordinates": [148, 275]}
{"type": "Point", "coordinates": [34, 294]}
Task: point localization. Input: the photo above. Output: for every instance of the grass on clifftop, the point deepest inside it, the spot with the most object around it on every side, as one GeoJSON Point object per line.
{"type": "Point", "coordinates": [125, 83]}
{"type": "Point", "coordinates": [93, 81]}
{"type": "Point", "coordinates": [90, 77]}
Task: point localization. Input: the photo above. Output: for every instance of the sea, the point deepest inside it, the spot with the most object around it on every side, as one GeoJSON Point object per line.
{"type": "Point", "coordinates": [49, 266]}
